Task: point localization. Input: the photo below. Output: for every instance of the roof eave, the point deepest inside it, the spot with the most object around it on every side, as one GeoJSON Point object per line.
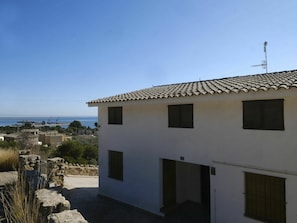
{"type": "Point", "coordinates": [93, 104]}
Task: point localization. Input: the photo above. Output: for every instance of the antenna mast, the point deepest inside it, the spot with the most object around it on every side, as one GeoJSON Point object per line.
{"type": "Point", "coordinates": [264, 62]}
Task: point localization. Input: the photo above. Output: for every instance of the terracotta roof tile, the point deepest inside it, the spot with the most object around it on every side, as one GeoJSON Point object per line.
{"type": "Point", "coordinates": [244, 84]}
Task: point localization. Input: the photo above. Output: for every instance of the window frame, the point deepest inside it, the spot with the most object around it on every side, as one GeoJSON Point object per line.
{"type": "Point", "coordinates": [115, 165]}
{"type": "Point", "coordinates": [256, 114]}
{"type": "Point", "coordinates": [181, 116]}
{"type": "Point", "coordinates": [265, 197]}
{"type": "Point", "coordinates": [115, 115]}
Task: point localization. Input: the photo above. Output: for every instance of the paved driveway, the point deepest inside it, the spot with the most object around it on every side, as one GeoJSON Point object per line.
{"type": "Point", "coordinates": [82, 192]}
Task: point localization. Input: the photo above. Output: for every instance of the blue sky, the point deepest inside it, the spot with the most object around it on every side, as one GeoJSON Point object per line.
{"type": "Point", "coordinates": [55, 55]}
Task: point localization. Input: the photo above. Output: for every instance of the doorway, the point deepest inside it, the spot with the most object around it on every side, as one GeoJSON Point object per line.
{"type": "Point", "coordinates": [185, 183]}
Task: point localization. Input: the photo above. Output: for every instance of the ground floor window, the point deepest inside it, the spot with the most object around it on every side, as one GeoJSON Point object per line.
{"type": "Point", "coordinates": [115, 165]}
{"type": "Point", "coordinates": [265, 198]}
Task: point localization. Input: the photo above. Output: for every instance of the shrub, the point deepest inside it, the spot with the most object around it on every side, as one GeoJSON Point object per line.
{"type": "Point", "coordinates": [8, 144]}
{"type": "Point", "coordinates": [8, 159]}
{"type": "Point", "coordinates": [76, 152]}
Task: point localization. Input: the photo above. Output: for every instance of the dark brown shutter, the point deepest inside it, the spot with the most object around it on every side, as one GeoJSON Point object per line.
{"type": "Point", "coordinates": [251, 115]}
{"type": "Point", "coordinates": [186, 116]}
{"type": "Point", "coordinates": [173, 116]}
{"type": "Point", "coordinates": [265, 198]}
{"type": "Point", "coordinates": [273, 115]}
{"type": "Point", "coordinates": [115, 115]}
{"type": "Point", "coordinates": [180, 116]}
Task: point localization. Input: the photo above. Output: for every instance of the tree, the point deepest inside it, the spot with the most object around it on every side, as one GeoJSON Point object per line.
{"type": "Point", "coordinates": [90, 152]}
{"type": "Point", "coordinates": [78, 152]}
{"type": "Point", "coordinates": [71, 151]}
{"type": "Point", "coordinates": [75, 124]}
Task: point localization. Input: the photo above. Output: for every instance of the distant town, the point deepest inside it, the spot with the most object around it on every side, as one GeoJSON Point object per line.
{"type": "Point", "coordinates": [30, 133]}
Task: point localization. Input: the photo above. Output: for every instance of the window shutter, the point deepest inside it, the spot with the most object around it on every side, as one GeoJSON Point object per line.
{"type": "Point", "coordinates": [273, 115]}
{"type": "Point", "coordinates": [173, 116]}
{"type": "Point", "coordinates": [115, 115]}
{"type": "Point", "coordinates": [263, 114]}
{"type": "Point", "coordinates": [187, 116]}
{"type": "Point", "coordinates": [251, 115]}
{"type": "Point", "coordinates": [265, 198]}
{"type": "Point", "coordinates": [118, 115]}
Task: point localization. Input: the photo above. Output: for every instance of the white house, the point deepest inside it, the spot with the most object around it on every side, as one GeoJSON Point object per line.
{"type": "Point", "coordinates": [229, 144]}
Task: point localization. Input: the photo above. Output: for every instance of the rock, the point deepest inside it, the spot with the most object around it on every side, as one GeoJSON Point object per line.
{"type": "Point", "coordinates": [69, 216]}
{"type": "Point", "coordinates": [50, 201]}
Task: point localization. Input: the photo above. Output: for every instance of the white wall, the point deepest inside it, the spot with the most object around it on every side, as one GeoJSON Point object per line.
{"type": "Point", "coordinates": [217, 139]}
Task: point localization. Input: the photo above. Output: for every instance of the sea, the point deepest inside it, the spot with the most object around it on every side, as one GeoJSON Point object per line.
{"type": "Point", "coordinates": [64, 121]}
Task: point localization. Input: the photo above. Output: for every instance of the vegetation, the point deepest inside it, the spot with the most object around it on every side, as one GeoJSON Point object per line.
{"type": "Point", "coordinates": [75, 124]}
{"type": "Point", "coordinates": [78, 152]}
{"type": "Point", "coordinates": [8, 129]}
{"type": "Point", "coordinates": [57, 128]}
{"type": "Point", "coordinates": [82, 149]}
{"type": "Point", "coordinates": [8, 144]}
{"type": "Point", "coordinates": [8, 159]}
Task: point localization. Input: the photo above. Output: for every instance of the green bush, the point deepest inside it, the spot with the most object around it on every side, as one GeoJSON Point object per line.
{"type": "Point", "coordinates": [8, 144]}
{"type": "Point", "coordinates": [76, 152]}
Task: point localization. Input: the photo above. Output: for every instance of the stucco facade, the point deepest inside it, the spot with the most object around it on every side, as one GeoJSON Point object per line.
{"type": "Point", "coordinates": [217, 141]}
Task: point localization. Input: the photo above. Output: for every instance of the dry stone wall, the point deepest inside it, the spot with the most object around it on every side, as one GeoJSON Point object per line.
{"type": "Point", "coordinates": [29, 169]}
{"type": "Point", "coordinates": [56, 171]}
{"type": "Point", "coordinates": [77, 169]}
{"type": "Point", "coordinates": [53, 207]}
{"type": "Point", "coordinates": [49, 202]}
{"type": "Point", "coordinates": [69, 216]}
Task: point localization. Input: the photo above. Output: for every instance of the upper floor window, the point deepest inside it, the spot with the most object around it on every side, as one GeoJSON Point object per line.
{"type": "Point", "coordinates": [263, 114]}
{"type": "Point", "coordinates": [180, 116]}
{"type": "Point", "coordinates": [115, 115]}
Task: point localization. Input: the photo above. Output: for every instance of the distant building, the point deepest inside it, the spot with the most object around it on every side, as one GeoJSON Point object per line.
{"type": "Point", "coordinates": [11, 137]}
{"type": "Point", "coordinates": [27, 137]}
{"type": "Point", "coordinates": [51, 138]}
{"type": "Point", "coordinates": [31, 135]}
{"type": "Point", "coordinates": [2, 137]}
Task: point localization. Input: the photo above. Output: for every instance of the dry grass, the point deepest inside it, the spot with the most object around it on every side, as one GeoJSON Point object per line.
{"type": "Point", "coordinates": [9, 159]}
{"type": "Point", "coordinates": [19, 203]}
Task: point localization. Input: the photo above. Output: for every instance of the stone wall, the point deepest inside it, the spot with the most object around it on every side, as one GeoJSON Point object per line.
{"type": "Point", "coordinates": [72, 216]}
{"type": "Point", "coordinates": [52, 206]}
{"type": "Point", "coordinates": [77, 169]}
{"type": "Point", "coordinates": [29, 169]}
{"type": "Point", "coordinates": [50, 201]}
{"type": "Point", "coordinates": [56, 171]}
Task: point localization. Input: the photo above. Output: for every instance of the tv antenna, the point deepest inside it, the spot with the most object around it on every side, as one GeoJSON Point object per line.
{"type": "Point", "coordinates": [264, 63]}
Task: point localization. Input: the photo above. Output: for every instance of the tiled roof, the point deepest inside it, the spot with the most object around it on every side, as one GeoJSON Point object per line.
{"type": "Point", "coordinates": [249, 83]}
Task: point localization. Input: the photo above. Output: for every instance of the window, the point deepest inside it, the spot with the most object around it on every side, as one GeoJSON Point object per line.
{"type": "Point", "coordinates": [180, 116]}
{"type": "Point", "coordinates": [263, 114]}
{"type": "Point", "coordinates": [265, 198]}
{"type": "Point", "coordinates": [115, 115]}
{"type": "Point", "coordinates": [115, 163]}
